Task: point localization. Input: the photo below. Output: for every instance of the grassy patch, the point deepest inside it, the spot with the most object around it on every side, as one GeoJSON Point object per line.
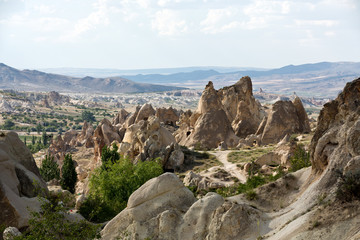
{"type": "Point", "coordinates": [248, 155]}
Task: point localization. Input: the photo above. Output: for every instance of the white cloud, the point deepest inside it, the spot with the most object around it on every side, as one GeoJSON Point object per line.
{"type": "Point", "coordinates": [321, 23]}
{"type": "Point", "coordinates": [94, 19]}
{"type": "Point", "coordinates": [219, 20]}
{"type": "Point", "coordinates": [330, 33]}
{"type": "Point", "coordinates": [167, 22]}
{"type": "Point", "coordinates": [44, 9]}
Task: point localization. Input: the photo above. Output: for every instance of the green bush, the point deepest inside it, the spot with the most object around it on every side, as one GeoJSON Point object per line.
{"type": "Point", "coordinates": [349, 186]}
{"type": "Point", "coordinates": [300, 159]}
{"type": "Point", "coordinates": [111, 187]}
{"type": "Point", "coordinates": [88, 116]}
{"type": "Point", "coordinates": [51, 223]}
{"type": "Point", "coordinates": [68, 174]}
{"type": "Point", "coordinates": [49, 169]}
{"type": "Point", "coordinates": [109, 155]}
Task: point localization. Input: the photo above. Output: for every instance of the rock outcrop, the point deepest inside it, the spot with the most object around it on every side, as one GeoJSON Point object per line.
{"type": "Point", "coordinates": [147, 140]}
{"type": "Point", "coordinates": [20, 181]}
{"type": "Point", "coordinates": [168, 210]}
{"type": "Point", "coordinates": [145, 112]}
{"type": "Point", "coordinates": [105, 133]}
{"type": "Point", "coordinates": [241, 108]}
{"type": "Point", "coordinates": [168, 116]}
{"type": "Point", "coordinates": [210, 124]}
{"type": "Point", "coordinates": [336, 141]}
{"type": "Point", "coordinates": [85, 137]}
{"type": "Point", "coordinates": [285, 118]}
{"type": "Point", "coordinates": [121, 117]}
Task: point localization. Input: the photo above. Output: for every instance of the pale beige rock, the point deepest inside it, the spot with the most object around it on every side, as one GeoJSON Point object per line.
{"type": "Point", "coordinates": [241, 108]}
{"type": "Point", "coordinates": [11, 232]}
{"type": "Point", "coordinates": [120, 117]}
{"type": "Point", "coordinates": [168, 116]}
{"type": "Point", "coordinates": [19, 181]}
{"type": "Point", "coordinates": [145, 112]}
{"type": "Point", "coordinates": [284, 119]}
{"type": "Point", "coordinates": [211, 126]}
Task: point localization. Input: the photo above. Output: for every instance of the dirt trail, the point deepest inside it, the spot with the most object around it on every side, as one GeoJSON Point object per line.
{"type": "Point", "coordinates": [228, 166]}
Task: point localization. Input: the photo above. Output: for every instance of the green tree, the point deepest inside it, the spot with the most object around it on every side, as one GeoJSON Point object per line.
{"type": "Point", "coordinates": [109, 155]}
{"type": "Point", "coordinates": [25, 140]}
{"type": "Point", "coordinates": [9, 124]}
{"type": "Point", "coordinates": [49, 169]}
{"type": "Point", "coordinates": [33, 140]}
{"type": "Point", "coordinates": [39, 128]}
{"type": "Point", "coordinates": [300, 159]}
{"type": "Point", "coordinates": [88, 116]}
{"type": "Point", "coordinates": [44, 137]}
{"type": "Point", "coordinates": [111, 187]}
{"type": "Point", "coordinates": [68, 174]}
{"type": "Point", "coordinates": [51, 223]}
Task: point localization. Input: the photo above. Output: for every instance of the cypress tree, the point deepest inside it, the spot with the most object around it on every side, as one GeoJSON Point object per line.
{"type": "Point", "coordinates": [68, 174]}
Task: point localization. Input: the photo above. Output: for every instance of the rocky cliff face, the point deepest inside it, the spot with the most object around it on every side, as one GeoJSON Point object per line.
{"type": "Point", "coordinates": [210, 123]}
{"type": "Point", "coordinates": [19, 178]}
{"type": "Point", "coordinates": [241, 108]}
{"type": "Point", "coordinates": [336, 142]}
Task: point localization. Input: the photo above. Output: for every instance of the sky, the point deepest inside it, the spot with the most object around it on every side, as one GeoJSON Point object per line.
{"type": "Point", "coordinates": [140, 34]}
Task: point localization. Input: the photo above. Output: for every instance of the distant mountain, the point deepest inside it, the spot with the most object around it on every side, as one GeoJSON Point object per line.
{"type": "Point", "coordinates": [106, 72]}
{"type": "Point", "coordinates": [32, 80]}
{"type": "Point", "coordinates": [323, 79]}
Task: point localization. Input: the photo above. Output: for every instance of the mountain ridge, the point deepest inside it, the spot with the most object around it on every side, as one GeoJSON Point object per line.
{"type": "Point", "coordinates": [34, 80]}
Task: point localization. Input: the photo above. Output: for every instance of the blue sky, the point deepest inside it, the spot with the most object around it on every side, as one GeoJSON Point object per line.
{"type": "Point", "coordinates": [133, 34]}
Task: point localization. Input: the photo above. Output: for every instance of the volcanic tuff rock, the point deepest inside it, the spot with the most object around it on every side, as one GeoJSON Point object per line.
{"type": "Point", "coordinates": [120, 117]}
{"type": "Point", "coordinates": [241, 108]}
{"type": "Point", "coordinates": [18, 174]}
{"type": "Point", "coordinates": [147, 140]}
{"type": "Point", "coordinates": [105, 133]}
{"type": "Point", "coordinates": [145, 112]}
{"type": "Point", "coordinates": [211, 125]}
{"type": "Point", "coordinates": [284, 118]}
{"type": "Point", "coordinates": [168, 116]}
{"type": "Point", "coordinates": [336, 141]}
{"type": "Point", "coordinates": [168, 210]}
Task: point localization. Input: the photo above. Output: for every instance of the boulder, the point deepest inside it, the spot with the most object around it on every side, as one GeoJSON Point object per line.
{"type": "Point", "coordinates": [164, 209]}
{"type": "Point", "coordinates": [284, 119]}
{"type": "Point", "coordinates": [20, 181]}
{"type": "Point", "coordinates": [10, 233]}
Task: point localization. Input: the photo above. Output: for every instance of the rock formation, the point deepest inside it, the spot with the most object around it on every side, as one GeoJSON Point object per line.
{"type": "Point", "coordinates": [301, 205]}
{"type": "Point", "coordinates": [145, 112]}
{"type": "Point", "coordinates": [336, 141]}
{"type": "Point", "coordinates": [104, 134]}
{"type": "Point", "coordinates": [241, 108]}
{"type": "Point", "coordinates": [284, 118]}
{"type": "Point", "coordinates": [147, 140]}
{"type": "Point", "coordinates": [19, 180]}
{"type": "Point", "coordinates": [120, 118]}
{"type": "Point", "coordinates": [168, 116]}
{"type": "Point", "coordinates": [85, 137]}
{"type": "Point", "coordinates": [168, 210]}
{"type": "Point", "coordinates": [211, 125]}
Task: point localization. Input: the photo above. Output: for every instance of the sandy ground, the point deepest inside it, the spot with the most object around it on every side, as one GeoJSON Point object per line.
{"type": "Point", "coordinates": [228, 166]}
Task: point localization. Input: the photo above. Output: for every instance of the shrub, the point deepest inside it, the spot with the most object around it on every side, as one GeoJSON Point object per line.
{"type": "Point", "coordinates": [68, 174]}
{"type": "Point", "coordinates": [51, 223]}
{"type": "Point", "coordinates": [49, 169]}
{"type": "Point", "coordinates": [88, 116]}
{"type": "Point", "coordinates": [349, 186]}
{"type": "Point", "coordinates": [112, 185]}
{"type": "Point", "coordinates": [109, 155]}
{"type": "Point", "coordinates": [300, 159]}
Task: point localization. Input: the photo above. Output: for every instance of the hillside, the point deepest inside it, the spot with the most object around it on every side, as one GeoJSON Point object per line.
{"type": "Point", "coordinates": [32, 80]}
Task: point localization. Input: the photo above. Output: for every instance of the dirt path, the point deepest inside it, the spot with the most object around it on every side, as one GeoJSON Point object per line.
{"type": "Point", "coordinates": [228, 166]}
